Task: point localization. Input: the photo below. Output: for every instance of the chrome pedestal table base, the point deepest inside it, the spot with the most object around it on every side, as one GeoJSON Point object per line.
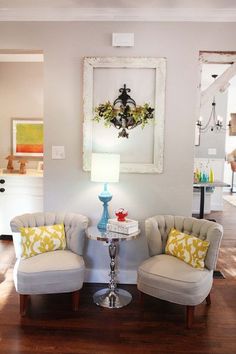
{"type": "Point", "coordinates": [111, 297]}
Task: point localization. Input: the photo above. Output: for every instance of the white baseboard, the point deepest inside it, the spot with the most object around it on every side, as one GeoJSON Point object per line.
{"type": "Point", "coordinates": [102, 276]}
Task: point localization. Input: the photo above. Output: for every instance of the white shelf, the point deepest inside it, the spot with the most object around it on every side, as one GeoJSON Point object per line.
{"type": "Point", "coordinates": [29, 172]}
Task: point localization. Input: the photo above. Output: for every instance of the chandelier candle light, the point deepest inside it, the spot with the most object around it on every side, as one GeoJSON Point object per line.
{"type": "Point", "coordinates": [105, 168]}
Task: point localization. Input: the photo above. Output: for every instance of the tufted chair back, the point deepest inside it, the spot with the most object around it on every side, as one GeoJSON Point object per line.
{"type": "Point", "coordinates": [158, 227]}
{"type": "Point", "coordinates": [74, 224]}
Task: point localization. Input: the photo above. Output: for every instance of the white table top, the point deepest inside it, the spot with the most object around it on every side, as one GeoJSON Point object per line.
{"type": "Point", "coordinates": [93, 233]}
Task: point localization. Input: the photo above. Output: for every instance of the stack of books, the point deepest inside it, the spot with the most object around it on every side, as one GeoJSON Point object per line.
{"type": "Point", "coordinates": [126, 227]}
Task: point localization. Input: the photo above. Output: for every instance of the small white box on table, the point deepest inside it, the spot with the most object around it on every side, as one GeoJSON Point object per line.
{"type": "Point", "coordinates": [127, 227]}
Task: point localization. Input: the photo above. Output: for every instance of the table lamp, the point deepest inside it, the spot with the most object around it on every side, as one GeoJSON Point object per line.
{"type": "Point", "coordinates": [105, 168]}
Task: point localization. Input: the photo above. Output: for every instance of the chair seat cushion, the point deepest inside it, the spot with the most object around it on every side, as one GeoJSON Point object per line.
{"type": "Point", "coordinates": [169, 278]}
{"type": "Point", "coordinates": [51, 272]}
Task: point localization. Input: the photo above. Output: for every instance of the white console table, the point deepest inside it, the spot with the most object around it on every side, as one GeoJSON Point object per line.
{"type": "Point", "coordinates": [19, 194]}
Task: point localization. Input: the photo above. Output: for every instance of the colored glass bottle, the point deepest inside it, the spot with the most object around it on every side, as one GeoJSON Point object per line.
{"type": "Point", "coordinates": [211, 176]}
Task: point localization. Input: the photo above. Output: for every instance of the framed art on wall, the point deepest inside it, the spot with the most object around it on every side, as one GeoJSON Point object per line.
{"type": "Point", "coordinates": [144, 79]}
{"type": "Point", "coordinates": [27, 137]}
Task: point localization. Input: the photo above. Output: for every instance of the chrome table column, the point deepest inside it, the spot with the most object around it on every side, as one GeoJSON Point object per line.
{"type": "Point", "coordinates": [112, 296]}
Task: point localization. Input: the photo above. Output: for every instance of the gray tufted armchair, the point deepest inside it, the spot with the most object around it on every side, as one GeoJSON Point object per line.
{"type": "Point", "coordinates": [169, 278]}
{"type": "Point", "coordinates": [58, 271]}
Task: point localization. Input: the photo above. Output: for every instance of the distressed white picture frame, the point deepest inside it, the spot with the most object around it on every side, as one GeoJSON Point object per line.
{"type": "Point", "coordinates": [159, 67]}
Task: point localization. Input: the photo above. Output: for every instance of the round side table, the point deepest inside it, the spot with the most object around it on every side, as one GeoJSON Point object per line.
{"type": "Point", "coordinates": [111, 297]}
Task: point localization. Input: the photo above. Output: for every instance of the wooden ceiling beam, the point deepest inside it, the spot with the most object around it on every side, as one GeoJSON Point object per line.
{"type": "Point", "coordinates": [220, 82]}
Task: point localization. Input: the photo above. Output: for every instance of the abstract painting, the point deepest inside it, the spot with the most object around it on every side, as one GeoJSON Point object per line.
{"type": "Point", "coordinates": [27, 137]}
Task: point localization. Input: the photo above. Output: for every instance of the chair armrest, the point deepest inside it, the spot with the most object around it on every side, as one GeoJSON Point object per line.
{"type": "Point", "coordinates": [16, 237]}
{"type": "Point", "coordinates": [214, 236]}
{"type": "Point", "coordinates": [154, 236]}
{"type": "Point", "coordinates": [75, 226]}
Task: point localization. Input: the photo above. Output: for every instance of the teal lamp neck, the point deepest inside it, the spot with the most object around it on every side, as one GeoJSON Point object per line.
{"type": "Point", "coordinates": [105, 197]}
{"type": "Point", "coordinates": [105, 192]}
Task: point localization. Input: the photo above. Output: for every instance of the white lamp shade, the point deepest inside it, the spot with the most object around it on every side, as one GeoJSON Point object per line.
{"type": "Point", "coordinates": [105, 167]}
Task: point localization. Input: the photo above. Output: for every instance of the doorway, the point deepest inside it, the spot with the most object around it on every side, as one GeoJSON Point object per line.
{"type": "Point", "coordinates": [217, 89]}
{"type": "Point", "coordinates": [21, 169]}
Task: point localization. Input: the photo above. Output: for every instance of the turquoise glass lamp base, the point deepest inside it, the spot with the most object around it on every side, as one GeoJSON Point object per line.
{"type": "Point", "coordinates": [105, 197]}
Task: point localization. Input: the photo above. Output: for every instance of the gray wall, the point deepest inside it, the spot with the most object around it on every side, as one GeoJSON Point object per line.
{"type": "Point", "coordinates": [21, 96]}
{"type": "Point", "coordinates": [66, 186]}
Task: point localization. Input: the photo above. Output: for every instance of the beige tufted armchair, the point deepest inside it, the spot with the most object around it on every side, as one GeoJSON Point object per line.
{"type": "Point", "coordinates": [58, 271]}
{"type": "Point", "coordinates": [169, 278]}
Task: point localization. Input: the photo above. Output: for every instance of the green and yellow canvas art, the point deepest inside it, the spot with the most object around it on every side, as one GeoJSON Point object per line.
{"type": "Point", "coordinates": [28, 136]}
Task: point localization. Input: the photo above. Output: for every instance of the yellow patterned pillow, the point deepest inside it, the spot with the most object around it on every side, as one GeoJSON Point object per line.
{"type": "Point", "coordinates": [36, 240]}
{"type": "Point", "coordinates": [188, 248]}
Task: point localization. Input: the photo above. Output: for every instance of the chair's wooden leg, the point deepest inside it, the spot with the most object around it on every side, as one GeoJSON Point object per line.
{"type": "Point", "coordinates": [208, 299]}
{"type": "Point", "coordinates": [75, 300]}
{"type": "Point", "coordinates": [23, 304]}
{"type": "Point", "coordinates": [190, 315]}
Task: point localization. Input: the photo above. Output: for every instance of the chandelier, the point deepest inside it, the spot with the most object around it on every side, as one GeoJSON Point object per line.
{"type": "Point", "coordinates": [214, 122]}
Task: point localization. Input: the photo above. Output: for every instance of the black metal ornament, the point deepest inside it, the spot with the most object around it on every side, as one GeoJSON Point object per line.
{"type": "Point", "coordinates": [125, 118]}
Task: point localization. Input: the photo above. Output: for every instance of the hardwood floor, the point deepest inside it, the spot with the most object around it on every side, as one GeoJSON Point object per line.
{"type": "Point", "coordinates": [227, 254]}
{"type": "Point", "coordinates": [155, 327]}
